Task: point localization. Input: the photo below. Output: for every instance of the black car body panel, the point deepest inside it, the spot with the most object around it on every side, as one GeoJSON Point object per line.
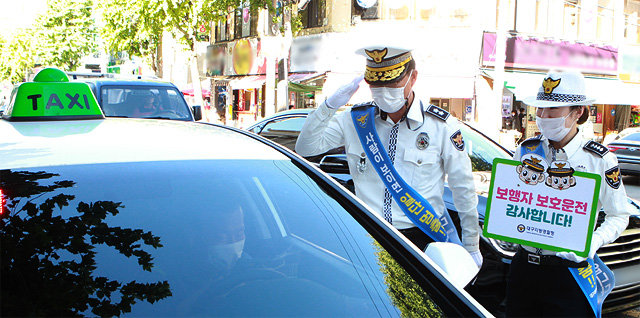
{"type": "Point", "coordinates": [622, 256]}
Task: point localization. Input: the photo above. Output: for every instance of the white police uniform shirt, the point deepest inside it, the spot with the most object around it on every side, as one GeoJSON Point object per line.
{"type": "Point", "coordinates": [423, 168]}
{"type": "Point", "coordinates": [612, 197]}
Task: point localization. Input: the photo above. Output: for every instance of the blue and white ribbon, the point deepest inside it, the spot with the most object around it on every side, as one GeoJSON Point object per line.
{"type": "Point", "coordinates": [416, 207]}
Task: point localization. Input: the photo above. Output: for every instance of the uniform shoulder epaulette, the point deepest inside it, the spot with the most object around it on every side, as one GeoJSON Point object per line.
{"type": "Point", "coordinates": [438, 112]}
{"type": "Point", "coordinates": [596, 148]}
{"type": "Point", "coordinates": [532, 140]}
{"type": "Point", "coordinates": [362, 105]}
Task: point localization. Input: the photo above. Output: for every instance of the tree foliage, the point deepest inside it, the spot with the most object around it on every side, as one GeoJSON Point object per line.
{"type": "Point", "coordinates": [48, 257]}
{"type": "Point", "coordinates": [67, 33]}
{"type": "Point", "coordinates": [17, 56]}
{"type": "Point", "coordinates": [184, 16]}
{"type": "Point", "coordinates": [135, 27]}
{"type": "Point", "coordinates": [61, 37]}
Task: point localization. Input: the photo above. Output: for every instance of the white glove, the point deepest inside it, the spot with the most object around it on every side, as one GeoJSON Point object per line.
{"type": "Point", "coordinates": [596, 243]}
{"type": "Point", "coordinates": [571, 256]}
{"type": "Point", "coordinates": [342, 96]}
{"type": "Point", "coordinates": [477, 257]}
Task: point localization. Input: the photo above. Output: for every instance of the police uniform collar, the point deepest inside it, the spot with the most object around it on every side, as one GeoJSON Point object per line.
{"type": "Point", "coordinates": [572, 147]}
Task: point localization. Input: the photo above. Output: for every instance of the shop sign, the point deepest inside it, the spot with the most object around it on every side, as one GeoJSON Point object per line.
{"type": "Point", "coordinates": [507, 101]}
{"type": "Point", "coordinates": [552, 207]}
{"type": "Point", "coordinates": [245, 57]}
{"type": "Point", "coordinates": [630, 64]}
{"type": "Point", "coordinates": [307, 54]}
{"type": "Point", "coordinates": [216, 56]}
{"type": "Point", "coordinates": [533, 53]}
{"type": "Point", "coordinates": [203, 33]}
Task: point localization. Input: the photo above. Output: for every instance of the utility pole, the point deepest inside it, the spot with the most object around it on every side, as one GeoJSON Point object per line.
{"type": "Point", "coordinates": [495, 111]}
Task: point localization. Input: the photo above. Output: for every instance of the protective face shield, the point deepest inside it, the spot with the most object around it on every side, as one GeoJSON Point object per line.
{"type": "Point", "coordinates": [390, 99]}
{"type": "Point", "coordinates": [553, 128]}
{"type": "Point", "coordinates": [225, 256]}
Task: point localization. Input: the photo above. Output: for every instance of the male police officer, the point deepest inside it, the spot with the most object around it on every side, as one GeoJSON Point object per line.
{"type": "Point", "coordinates": [422, 141]}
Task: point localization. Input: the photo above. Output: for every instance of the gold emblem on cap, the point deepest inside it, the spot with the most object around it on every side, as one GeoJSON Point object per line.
{"type": "Point", "coordinates": [377, 55]}
{"type": "Point", "coordinates": [549, 85]}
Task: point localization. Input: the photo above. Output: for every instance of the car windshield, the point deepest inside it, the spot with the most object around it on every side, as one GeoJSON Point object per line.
{"type": "Point", "coordinates": [143, 102]}
{"type": "Point", "coordinates": [632, 137]}
{"type": "Point", "coordinates": [481, 151]}
{"type": "Point", "coordinates": [187, 238]}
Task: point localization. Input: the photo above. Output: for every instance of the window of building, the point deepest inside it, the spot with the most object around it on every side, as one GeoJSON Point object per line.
{"type": "Point", "coordinates": [398, 9]}
{"type": "Point", "coordinates": [313, 14]}
{"type": "Point", "coordinates": [238, 23]}
{"type": "Point", "coordinates": [571, 19]}
{"type": "Point", "coordinates": [605, 20]}
{"type": "Point", "coordinates": [632, 22]}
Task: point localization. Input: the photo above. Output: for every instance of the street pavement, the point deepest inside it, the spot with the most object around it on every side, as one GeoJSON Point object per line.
{"type": "Point", "coordinates": [632, 185]}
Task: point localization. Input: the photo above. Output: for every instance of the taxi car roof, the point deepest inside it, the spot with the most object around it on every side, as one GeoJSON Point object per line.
{"type": "Point", "coordinates": [125, 82]}
{"type": "Point", "coordinates": [111, 140]}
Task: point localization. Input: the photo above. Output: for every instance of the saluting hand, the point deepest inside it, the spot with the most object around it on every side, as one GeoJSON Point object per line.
{"type": "Point", "coordinates": [342, 96]}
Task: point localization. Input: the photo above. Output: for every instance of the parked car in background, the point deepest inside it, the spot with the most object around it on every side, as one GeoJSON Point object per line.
{"type": "Point", "coordinates": [622, 256]}
{"type": "Point", "coordinates": [626, 147]}
{"type": "Point", "coordinates": [142, 99]}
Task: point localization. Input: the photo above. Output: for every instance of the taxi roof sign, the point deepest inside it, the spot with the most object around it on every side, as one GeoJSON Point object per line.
{"type": "Point", "coordinates": [52, 97]}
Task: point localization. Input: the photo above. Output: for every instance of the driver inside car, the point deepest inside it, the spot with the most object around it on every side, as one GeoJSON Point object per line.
{"type": "Point", "coordinates": [147, 108]}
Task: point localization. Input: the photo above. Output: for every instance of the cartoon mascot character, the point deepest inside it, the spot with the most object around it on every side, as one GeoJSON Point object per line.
{"type": "Point", "coordinates": [561, 176]}
{"type": "Point", "coordinates": [531, 171]}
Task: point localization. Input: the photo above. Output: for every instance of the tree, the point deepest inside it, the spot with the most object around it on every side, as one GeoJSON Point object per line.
{"type": "Point", "coordinates": [67, 33]}
{"type": "Point", "coordinates": [184, 17]}
{"type": "Point", "coordinates": [135, 27]}
{"type": "Point", "coordinates": [17, 56]}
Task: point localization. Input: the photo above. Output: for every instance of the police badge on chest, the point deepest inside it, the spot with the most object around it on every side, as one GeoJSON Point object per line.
{"type": "Point", "coordinates": [422, 141]}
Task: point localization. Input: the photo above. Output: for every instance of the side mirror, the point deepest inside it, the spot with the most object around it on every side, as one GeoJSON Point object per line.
{"type": "Point", "coordinates": [334, 164]}
{"type": "Point", "coordinates": [454, 260]}
{"type": "Point", "coordinates": [197, 112]}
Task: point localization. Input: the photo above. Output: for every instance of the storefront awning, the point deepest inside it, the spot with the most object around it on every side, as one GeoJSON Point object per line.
{"type": "Point", "coordinates": [301, 77]}
{"type": "Point", "coordinates": [604, 90]}
{"type": "Point", "coordinates": [247, 82]}
{"type": "Point", "coordinates": [444, 86]}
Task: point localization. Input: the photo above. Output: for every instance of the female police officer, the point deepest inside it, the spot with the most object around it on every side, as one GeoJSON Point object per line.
{"type": "Point", "coordinates": [539, 283]}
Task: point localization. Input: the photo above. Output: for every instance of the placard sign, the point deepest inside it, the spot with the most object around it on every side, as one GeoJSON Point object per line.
{"type": "Point", "coordinates": [552, 207]}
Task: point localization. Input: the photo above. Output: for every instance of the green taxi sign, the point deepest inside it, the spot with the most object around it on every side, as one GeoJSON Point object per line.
{"type": "Point", "coordinates": [52, 97]}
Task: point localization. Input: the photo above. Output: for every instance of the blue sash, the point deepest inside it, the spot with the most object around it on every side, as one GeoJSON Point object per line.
{"type": "Point", "coordinates": [417, 208]}
{"type": "Point", "coordinates": [596, 280]}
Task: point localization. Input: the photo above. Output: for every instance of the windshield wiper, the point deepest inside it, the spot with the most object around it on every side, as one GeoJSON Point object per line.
{"type": "Point", "coordinates": [157, 117]}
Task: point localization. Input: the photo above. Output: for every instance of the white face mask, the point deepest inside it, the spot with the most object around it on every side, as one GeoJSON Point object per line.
{"type": "Point", "coordinates": [226, 255]}
{"type": "Point", "coordinates": [390, 99]}
{"type": "Point", "coordinates": [553, 128]}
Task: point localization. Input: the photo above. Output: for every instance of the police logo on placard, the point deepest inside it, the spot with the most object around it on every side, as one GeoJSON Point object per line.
{"type": "Point", "coordinates": [422, 142]}
{"type": "Point", "coordinates": [521, 228]}
{"type": "Point", "coordinates": [457, 140]}
{"type": "Point", "coordinates": [613, 177]}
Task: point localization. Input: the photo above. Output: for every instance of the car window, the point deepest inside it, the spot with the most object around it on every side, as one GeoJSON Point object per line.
{"type": "Point", "coordinates": [291, 124]}
{"type": "Point", "coordinates": [632, 137]}
{"type": "Point", "coordinates": [481, 150]}
{"type": "Point", "coordinates": [143, 102]}
{"type": "Point", "coordinates": [192, 238]}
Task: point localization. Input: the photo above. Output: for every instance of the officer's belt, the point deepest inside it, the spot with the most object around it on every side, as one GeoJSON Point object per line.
{"type": "Point", "coordinates": [547, 260]}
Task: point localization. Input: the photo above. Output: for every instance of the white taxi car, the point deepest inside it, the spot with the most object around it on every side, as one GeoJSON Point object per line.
{"type": "Point", "coordinates": [109, 217]}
